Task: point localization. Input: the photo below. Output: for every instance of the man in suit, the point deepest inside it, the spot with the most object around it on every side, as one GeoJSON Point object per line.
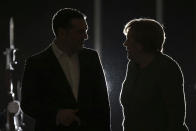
{"type": "Point", "coordinates": [64, 87]}
{"type": "Point", "coordinates": [152, 95]}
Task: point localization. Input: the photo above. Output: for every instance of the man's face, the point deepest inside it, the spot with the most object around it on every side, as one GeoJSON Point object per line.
{"type": "Point", "coordinates": [133, 48]}
{"type": "Point", "coordinates": [76, 36]}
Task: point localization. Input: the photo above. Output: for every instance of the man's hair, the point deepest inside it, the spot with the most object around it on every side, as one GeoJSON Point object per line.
{"type": "Point", "coordinates": [63, 17]}
{"type": "Point", "coordinates": [147, 32]}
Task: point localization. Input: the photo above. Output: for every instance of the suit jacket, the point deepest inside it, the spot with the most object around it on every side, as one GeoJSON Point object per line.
{"type": "Point", "coordinates": [45, 90]}
{"type": "Point", "coordinates": [153, 97]}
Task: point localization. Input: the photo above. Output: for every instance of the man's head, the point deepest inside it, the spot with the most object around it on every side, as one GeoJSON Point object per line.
{"type": "Point", "coordinates": [146, 35]}
{"type": "Point", "coordinates": [70, 28]}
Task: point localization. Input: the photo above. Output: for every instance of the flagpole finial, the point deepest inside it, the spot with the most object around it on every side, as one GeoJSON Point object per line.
{"type": "Point", "coordinates": [11, 33]}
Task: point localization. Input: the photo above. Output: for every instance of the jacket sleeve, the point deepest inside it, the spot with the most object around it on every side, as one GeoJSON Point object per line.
{"type": "Point", "coordinates": [30, 103]}
{"type": "Point", "coordinates": [100, 99]}
{"type": "Point", "coordinates": [32, 93]}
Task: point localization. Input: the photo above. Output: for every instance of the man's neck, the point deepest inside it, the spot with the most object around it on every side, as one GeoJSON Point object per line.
{"type": "Point", "coordinates": [63, 47]}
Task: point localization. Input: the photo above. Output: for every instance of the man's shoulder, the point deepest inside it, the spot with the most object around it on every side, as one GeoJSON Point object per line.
{"type": "Point", "coordinates": [88, 50]}
{"type": "Point", "coordinates": [43, 54]}
{"type": "Point", "coordinates": [40, 59]}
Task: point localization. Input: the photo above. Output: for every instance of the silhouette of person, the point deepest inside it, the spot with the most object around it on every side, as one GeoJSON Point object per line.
{"type": "Point", "coordinates": [152, 93]}
{"type": "Point", "coordinates": [64, 87]}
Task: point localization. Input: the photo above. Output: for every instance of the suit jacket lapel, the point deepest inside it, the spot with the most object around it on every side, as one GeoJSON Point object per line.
{"type": "Point", "coordinates": [58, 75]}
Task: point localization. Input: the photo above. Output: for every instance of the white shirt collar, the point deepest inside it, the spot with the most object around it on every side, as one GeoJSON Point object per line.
{"type": "Point", "coordinates": [57, 51]}
{"type": "Point", "coordinates": [60, 53]}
